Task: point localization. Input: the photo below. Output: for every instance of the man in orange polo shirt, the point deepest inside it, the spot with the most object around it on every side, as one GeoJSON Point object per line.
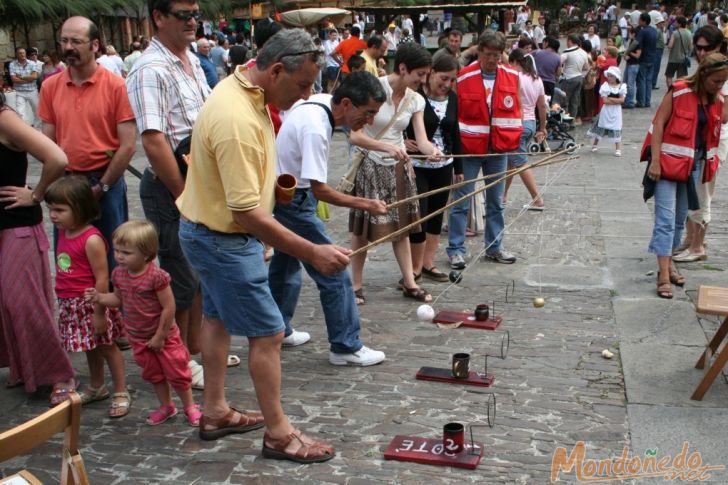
{"type": "Point", "coordinates": [348, 48]}
{"type": "Point", "coordinates": [86, 111]}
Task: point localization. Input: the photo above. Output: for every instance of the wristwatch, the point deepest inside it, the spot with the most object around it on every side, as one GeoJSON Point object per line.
{"type": "Point", "coordinates": [104, 187]}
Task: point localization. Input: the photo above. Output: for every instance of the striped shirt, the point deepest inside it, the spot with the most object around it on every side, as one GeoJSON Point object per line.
{"type": "Point", "coordinates": [163, 96]}
{"type": "Point", "coordinates": [22, 70]}
{"type": "Point", "coordinates": [141, 306]}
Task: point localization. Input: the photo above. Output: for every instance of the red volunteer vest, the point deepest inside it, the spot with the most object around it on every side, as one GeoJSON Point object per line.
{"type": "Point", "coordinates": [483, 128]}
{"type": "Point", "coordinates": [677, 151]}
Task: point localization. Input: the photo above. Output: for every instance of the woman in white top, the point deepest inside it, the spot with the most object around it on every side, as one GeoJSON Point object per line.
{"type": "Point", "coordinates": [386, 172]}
{"type": "Point", "coordinates": [593, 38]}
{"type": "Point", "coordinates": [532, 97]}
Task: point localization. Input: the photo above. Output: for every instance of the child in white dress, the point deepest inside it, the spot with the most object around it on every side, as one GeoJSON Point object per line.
{"type": "Point", "coordinates": [609, 122]}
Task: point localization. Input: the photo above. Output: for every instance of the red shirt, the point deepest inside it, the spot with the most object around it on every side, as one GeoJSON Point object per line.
{"type": "Point", "coordinates": [142, 309]}
{"type": "Point", "coordinates": [348, 48]}
{"type": "Point", "coordinates": [73, 270]}
{"type": "Point", "coordinates": [86, 116]}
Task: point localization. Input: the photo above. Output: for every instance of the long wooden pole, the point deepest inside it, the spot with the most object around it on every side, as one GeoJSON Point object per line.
{"type": "Point", "coordinates": [543, 161]}
{"type": "Point", "coordinates": [406, 228]}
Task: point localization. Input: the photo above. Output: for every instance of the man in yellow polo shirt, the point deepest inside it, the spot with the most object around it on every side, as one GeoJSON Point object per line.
{"type": "Point", "coordinates": [376, 49]}
{"type": "Point", "coordinates": [226, 211]}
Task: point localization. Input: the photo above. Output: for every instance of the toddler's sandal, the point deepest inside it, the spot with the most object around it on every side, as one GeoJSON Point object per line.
{"type": "Point", "coordinates": [119, 409]}
{"type": "Point", "coordinates": [93, 394]}
{"type": "Point", "coordinates": [193, 414]}
{"type": "Point", "coordinates": [161, 415]}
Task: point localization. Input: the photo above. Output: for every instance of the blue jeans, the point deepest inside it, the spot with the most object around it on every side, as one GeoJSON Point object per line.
{"type": "Point", "coordinates": [656, 67]}
{"type": "Point", "coordinates": [644, 84]}
{"type": "Point", "coordinates": [234, 280]}
{"type": "Point", "coordinates": [529, 129]}
{"type": "Point", "coordinates": [160, 210]}
{"type": "Point", "coordinates": [630, 78]}
{"type": "Point", "coordinates": [494, 208]}
{"type": "Point", "coordinates": [335, 292]}
{"type": "Point", "coordinates": [114, 212]}
{"type": "Point", "coordinates": [671, 211]}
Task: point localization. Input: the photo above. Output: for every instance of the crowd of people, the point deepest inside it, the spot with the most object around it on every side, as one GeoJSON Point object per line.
{"type": "Point", "coordinates": [211, 205]}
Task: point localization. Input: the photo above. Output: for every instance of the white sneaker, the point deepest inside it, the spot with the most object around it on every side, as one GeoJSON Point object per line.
{"type": "Point", "coordinates": [363, 357]}
{"type": "Point", "coordinates": [594, 148]}
{"type": "Point", "coordinates": [198, 376]}
{"type": "Point", "coordinates": [296, 338]}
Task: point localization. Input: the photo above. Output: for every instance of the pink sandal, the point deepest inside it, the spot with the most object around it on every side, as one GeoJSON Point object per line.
{"type": "Point", "coordinates": [161, 415]}
{"type": "Point", "coordinates": [193, 414]}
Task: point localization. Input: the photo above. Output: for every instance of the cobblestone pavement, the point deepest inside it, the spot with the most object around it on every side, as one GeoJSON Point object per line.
{"type": "Point", "coordinates": [586, 254]}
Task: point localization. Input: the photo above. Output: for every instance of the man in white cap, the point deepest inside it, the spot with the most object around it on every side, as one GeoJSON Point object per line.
{"type": "Point", "coordinates": [624, 26]}
{"type": "Point", "coordinates": [658, 23]}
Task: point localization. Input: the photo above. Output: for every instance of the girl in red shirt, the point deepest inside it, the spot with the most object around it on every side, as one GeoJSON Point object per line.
{"type": "Point", "coordinates": [81, 263]}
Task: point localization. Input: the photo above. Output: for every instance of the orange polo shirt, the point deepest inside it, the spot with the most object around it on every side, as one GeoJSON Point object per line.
{"type": "Point", "coordinates": [86, 116]}
{"type": "Point", "coordinates": [348, 48]}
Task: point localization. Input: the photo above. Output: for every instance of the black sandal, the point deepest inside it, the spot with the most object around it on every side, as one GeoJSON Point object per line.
{"type": "Point", "coordinates": [359, 295]}
{"type": "Point", "coordinates": [418, 294]}
{"type": "Point", "coordinates": [434, 274]}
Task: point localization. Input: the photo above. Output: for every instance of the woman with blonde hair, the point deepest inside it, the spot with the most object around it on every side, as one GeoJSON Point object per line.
{"type": "Point", "coordinates": [693, 107]}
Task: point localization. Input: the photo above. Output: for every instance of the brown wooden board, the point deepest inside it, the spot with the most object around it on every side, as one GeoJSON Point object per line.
{"type": "Point", "coordinates": [467, 319]}
{"type": "Point", "coordinates": [445, 375]}
{"type": "Point", "coordinates": [430, 451]}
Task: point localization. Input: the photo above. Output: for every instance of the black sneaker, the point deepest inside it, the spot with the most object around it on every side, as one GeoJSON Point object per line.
{"type": "Point", "coordinates": [502, 257]}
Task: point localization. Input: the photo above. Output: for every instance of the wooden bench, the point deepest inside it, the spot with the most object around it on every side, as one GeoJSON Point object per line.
{"type": "Point", "coordinates": [712, 300]}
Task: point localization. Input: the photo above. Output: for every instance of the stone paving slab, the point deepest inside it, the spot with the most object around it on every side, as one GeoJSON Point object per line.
{"type": "Point", "coordinates": [667, 428]}
{"type": "Point", "coordinates": [665, 374]}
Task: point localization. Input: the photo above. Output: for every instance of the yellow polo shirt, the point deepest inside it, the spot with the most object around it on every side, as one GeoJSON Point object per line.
{"type": "Point", "coordinates": [370, 65]}
{"type": "Point", "coordinates": [233, 155]}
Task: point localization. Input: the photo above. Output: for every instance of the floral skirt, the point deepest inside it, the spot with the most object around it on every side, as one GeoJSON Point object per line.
{"type": "Point", "coordinates": [77, 329]}
{"type": "Point", "coordinates": [388, 183]}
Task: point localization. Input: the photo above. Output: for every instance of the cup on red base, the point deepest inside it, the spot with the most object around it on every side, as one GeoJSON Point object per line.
{"type": "Point", "coordinates": [453, 437]}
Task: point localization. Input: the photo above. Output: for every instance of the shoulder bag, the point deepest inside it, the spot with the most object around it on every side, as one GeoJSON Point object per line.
{"type": "Point", "coordinates": [346, 184]}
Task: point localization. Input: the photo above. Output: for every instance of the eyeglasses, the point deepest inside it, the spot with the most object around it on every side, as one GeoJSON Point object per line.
{"type": "Point", "coordinates": [718, 64]}
{"type": "Point", "coordinates": [186, 15]}
{"type": "Point", "coordinates": [74, 42]}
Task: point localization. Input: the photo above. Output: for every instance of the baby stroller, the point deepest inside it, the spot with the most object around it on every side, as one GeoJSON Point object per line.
{"type": "Point", "coordinates": [558, 125]}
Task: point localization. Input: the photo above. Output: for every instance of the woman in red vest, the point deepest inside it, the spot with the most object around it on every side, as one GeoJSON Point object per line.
{"type": "Point", "coordinates": [684, 136]}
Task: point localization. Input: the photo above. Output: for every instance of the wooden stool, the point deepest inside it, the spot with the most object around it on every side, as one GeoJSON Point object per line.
{"type": "Point", "coordinates": [712, 300]}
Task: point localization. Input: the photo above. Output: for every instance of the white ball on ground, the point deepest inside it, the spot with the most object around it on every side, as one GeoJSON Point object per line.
{"type": "Point", "coordinates": [425, 313]}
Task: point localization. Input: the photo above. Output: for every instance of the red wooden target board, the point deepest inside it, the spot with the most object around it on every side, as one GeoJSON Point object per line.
{"type": "Point", "coordinates": [467, 319]}
{"type": "Point", "coordinates": [445, 375]}
{"type": "Point", "coordinates": [431, 451]}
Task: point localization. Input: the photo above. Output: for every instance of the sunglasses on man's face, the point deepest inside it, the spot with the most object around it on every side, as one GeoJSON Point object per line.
{"type": "Point", "coordinates": [186, 15]}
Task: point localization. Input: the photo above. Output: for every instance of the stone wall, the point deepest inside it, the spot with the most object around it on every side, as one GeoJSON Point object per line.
{"type": "Point", "coordinates": [41, 36]}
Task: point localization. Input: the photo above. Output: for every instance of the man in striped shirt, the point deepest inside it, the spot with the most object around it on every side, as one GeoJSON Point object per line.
{"type": "Point", "coordinates": [24, 74]}
{"type": "Point", "coordinates": [167, 89]}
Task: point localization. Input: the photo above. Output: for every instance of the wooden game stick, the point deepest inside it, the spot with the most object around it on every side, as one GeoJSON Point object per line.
{"type": "Point", "coordinates": [540, 163]}
{"type": "Point", "coordinates": [451, 204]}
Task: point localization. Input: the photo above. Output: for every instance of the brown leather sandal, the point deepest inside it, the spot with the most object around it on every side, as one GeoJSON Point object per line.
{"type": "Point", "coordinates": [664, 288]}
{"type": "Point", "coordinates": [418, 294]}
{"type": "Point", "coordinates": [247, 421]}
{"type": "Point", "coordinates": [297, 447]}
